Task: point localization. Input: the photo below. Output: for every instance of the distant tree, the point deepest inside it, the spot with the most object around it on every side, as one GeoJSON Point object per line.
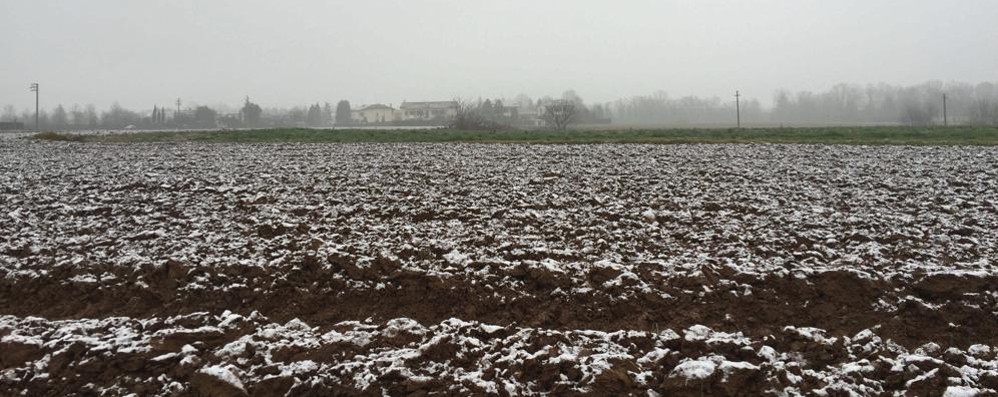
{"type": "Point", "coordinates": [486, 109]}
{"type": "Point", "coordinates": [251, 113]}
{"type": "Point", "coordinates": [205, 117]}
{"type": "Point", "coordinates": [296, 116]}
{"type": "Point", "coordinates": [559, 114]}
{"type": "Point", "coordinates": [60, 120]}
{"type": "Point", "coordinates": [343, 113]}
{"type": "Point", "coordinates": [314, 117]}
{"type": "Point", "coordinates": [523, 102]}
{"type": "Point", "coordinates": [918, 114]}
{"type": "Point", "coordinates": [783, 107]}
{"type": "Point", "coordinates": [327, 115]}
{"type": "Point", "coordinates": [475, 116]}
{"type": "Point", "coordinates": [9, 113]}
{"type": "Point", "coordinates": [28, 116]}
{"type": "Point", "coordinates": [499, 113]}
{"type": "Point", "coordinates": [230, 121]}
{"type": "Point", "coordinates": [78, 117]}
{"type": "Point", "coordinates": [574, 98]}
{"type": "Point", "coordinates": [599, 112]}
{"type": "Point", "coordinates": [93, 121]}
{"type": "Point", "coordinates": [984, 112]}
{"type": "Point", "coordinates": [118, 117]}
{"type": "Point", "coordinates": [44, 120]}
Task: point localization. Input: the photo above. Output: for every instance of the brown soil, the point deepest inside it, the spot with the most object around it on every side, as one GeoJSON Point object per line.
{"type": "Point", "coordinates": [173, 270]}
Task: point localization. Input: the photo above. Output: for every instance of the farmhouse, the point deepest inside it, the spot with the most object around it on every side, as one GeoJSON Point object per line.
{"type": "Point", "coordinates": [375, 114]}
{"type": "Point", "coordinates": [417, 113]}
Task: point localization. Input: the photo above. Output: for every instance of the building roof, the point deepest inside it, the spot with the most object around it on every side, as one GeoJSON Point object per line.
{"type": "Point", "coordinates": [376, 106]}
{"type": "Point", "coordinates": [429, 105]}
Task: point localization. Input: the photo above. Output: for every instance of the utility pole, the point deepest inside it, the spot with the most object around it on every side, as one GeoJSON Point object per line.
{"type": "Point", "coordinates": [176, 116]}
{"type": "Point", "coordinates": [34, 88]}
{"type": "Point", "coordinates": [945, 115]}
{"type": "Point", "coordinates": [738, 109]}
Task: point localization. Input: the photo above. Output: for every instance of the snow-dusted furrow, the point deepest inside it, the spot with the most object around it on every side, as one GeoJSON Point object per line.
{"type": "Point", "coordinates": [231, 354]}
{"type": "Point", "coordinates": [497, 269]}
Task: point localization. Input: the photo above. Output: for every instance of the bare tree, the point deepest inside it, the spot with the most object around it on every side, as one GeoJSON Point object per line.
{"type": "Point", "coordinates": [559, 114]}
{"type": "Point", "coordinates": [473, 116]}
{"type": "Point", "coordinates": [251, 113]}
{"type": "Point", "coordinates": [92, 119]}
{"type": "Point", "coordinates": [78, 117]}
{"type": "Point", "coordinates": [984, 112]}
{"type": "Point", "coordinates": [60, 119]}
{"type": "Point", "coordinates": [918, 114]}
{"type": "Point", "coordinates": [9, 113]}
{"type": "Point", "coordinates": [465, 118]}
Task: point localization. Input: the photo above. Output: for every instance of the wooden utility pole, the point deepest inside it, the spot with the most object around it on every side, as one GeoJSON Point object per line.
{"type": "Point", "coordinates": [738, 109]}
{"type": "Point", "coordinates": [34, 88]}
{"type": "Point", "coordinates": [945, 115]}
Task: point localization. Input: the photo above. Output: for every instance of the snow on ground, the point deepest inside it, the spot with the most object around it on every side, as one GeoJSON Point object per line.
{"type": "Point", "coordinates": [393, 268]}
{"type": "Point", "coordinates": [464, 357]}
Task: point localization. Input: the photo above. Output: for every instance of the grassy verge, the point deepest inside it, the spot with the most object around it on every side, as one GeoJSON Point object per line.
{"type": "Point", "coordinates": [832, 135]}
{"type": "Point", "coordinates": [56, 136]}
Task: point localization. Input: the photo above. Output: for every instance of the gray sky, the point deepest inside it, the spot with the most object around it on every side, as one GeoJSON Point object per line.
{"type": "Point", "coordinates": [142, 53]}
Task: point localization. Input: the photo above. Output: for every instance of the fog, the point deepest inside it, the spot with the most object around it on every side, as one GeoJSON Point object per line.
{"type": "Point", "coordinates": [287, 55]}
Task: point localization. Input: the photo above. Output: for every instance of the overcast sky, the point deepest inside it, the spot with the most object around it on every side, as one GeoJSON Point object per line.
{"type": "Point", "coordinates": [285, 53]}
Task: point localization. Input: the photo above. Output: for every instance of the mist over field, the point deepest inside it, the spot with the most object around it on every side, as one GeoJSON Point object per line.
{"type": "Point", "coordinates": [637, 63]}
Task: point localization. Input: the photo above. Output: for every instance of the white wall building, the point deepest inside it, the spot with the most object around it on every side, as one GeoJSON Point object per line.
{"type": "Point", "coordinates": [375, 114]}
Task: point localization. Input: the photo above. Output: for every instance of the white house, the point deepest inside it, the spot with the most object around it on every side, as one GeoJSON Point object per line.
{"type": "Point", "coordinates": [375, 114]}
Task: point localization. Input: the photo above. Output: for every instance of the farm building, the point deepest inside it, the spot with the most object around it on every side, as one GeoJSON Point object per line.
{"type": "Point", "coordinates": [408, 112]}
{"type": "Point", "coordinates": [375, 114]}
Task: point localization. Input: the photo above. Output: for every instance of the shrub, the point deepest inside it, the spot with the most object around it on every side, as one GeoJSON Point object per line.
{"type": "Point", "coordinates": [55, 136]}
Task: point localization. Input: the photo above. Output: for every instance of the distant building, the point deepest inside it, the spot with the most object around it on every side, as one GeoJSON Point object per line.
{"type": "Point", "coordinates": [530, 117]}
{"type": "Point", "coordinates": [443, 111]}
{"type": "Point", "coordinates": [11, 126]}
{"type": "Point", "coordinates": [375, 114]}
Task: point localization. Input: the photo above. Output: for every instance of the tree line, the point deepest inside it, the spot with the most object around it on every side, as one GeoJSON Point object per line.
{"type": "Point", "coordinates": [846, 104]}
{"type": "Point", "coordinates": [249, 115]}
{"type": "Point", "coordinates": [922, 104]}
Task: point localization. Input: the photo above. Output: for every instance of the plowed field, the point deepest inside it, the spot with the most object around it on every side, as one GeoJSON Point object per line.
{"type": "Point", "coordinates": [412, 269]}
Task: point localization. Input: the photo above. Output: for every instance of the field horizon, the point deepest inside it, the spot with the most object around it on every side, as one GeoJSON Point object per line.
{"type": "Point", "coordinates": [880, 135]}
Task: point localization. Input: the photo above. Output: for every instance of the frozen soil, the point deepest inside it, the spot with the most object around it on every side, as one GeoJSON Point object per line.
{"type": "Point", "coordinates": [407, 269]}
